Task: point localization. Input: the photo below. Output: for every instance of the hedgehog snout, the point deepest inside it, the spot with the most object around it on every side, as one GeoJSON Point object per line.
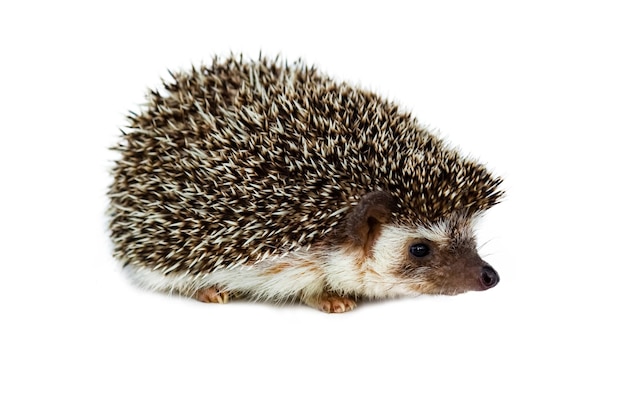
{"type": "Point", "coordinates": [489, 278]}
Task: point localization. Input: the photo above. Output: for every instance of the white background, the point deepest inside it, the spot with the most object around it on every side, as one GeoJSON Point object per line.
{"type": "Point", "coordinates": [536, 91]}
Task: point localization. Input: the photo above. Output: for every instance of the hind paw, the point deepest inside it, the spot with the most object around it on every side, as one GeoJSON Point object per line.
{"type": "Point", "coordinates": [212, 295]}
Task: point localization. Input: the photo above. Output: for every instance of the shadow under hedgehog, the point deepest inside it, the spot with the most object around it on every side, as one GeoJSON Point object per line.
{"type": "Point", "coordinates": [274, 182]}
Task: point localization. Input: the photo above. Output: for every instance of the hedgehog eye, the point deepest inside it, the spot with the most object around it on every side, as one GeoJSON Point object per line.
{"type": "Point", "coordinates": [419, 250]}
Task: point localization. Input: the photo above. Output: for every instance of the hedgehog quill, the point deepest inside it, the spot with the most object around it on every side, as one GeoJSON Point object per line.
{"type": "Point", "coordinates": [271, 181]}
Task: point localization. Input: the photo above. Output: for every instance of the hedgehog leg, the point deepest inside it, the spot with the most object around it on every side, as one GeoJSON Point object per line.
{"type": "Point", "coordinates": [212, 295]}
{"type": "Point", "coordinates": [331, 303]}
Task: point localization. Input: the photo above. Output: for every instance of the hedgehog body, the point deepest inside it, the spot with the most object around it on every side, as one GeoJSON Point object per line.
{"type": "Point", "coordinates": [275, 182]}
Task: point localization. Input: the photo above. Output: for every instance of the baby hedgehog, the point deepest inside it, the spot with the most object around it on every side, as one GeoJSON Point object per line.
{"type": "Point", "coordinates": [273, 182]}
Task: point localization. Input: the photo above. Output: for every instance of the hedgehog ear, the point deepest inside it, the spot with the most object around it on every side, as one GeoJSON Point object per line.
{"type": "Point", "coordinates": [364, 221]}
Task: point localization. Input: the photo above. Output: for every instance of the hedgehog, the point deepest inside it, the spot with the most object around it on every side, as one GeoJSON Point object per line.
{"type": "Point", "coordinates": [268, 180]}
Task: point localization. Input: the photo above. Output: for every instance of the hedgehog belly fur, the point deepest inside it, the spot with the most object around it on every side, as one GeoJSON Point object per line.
{"type": "Point", "coordinates": [279, 279]}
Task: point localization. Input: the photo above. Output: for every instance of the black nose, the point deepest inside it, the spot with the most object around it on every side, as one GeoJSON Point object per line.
{"type": "Point", "coordinates": [489, 277]}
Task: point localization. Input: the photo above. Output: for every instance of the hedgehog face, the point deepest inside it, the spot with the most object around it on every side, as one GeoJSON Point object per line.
{"type": "Point", "coordinates": [423, 258]}
{"type": "Point", "coordinates": [437, 259]}
{"type": "Point", "coordinates": [447, 264]}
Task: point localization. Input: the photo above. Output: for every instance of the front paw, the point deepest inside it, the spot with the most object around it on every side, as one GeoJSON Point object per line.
{"type": "Point", "coordinates": [332, 303]}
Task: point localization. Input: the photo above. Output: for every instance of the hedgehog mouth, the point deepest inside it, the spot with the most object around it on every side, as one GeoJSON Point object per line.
{"type": "Point", "coordinates": [435, 289]}
{"type": "Point", "coordinates": [450, 291]}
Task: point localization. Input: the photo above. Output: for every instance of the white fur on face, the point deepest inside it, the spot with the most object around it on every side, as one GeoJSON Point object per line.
{"type": "Point", "coordinates": [375, 276]}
